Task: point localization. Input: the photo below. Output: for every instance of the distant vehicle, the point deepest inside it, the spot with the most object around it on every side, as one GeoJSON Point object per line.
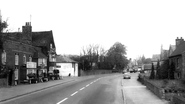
{"type": "Point", "coordinates": [139, 69]}
{"type": "Point", "coordinates": [131, 70]}
{"type": "Point", "coordinates": [124, 71]}
{"type": "Point", "coordinates": [126, 76]}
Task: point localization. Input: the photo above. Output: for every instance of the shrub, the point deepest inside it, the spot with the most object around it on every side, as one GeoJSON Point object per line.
{"type": "Point", "coordinates": [152, 75]}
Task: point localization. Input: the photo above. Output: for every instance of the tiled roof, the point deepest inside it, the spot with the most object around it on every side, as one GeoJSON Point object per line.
{"type": "Point", "coordinates": [42, 38]}
{"type": "Point", "coordinates": [16, 36]}
{"type": "Point", "coordinates": [63, 59]}
{"type": "Point", "coordinates": [179, 49]}
{"type": "Point", "coordinates": [173, 47]}
{"type": "Point", "coordinates": [38, 53]}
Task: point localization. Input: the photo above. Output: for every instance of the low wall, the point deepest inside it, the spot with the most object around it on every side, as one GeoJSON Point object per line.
{"type": "Point", "coordinates": [94, 72]}
{"type": "Point", "coordinates": [178, 100]}
{"type": "Point", "coordinates": [155, 89]}
{"type": "Point", "coordinates": [175, 96]}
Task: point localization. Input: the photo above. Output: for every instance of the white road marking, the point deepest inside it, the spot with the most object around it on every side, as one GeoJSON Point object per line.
{"type": "Point", "coordinates": [82, 88]}
{"type": "Point", "coordinates": [62, 101]}
{"type": "Point", "coordinates": [134, 87]}
{"type": "Point", "coordinates": [87, 85]}
{"type": "Point", "coordinates": [91, 82]}
{"type": "Point", "coordinates": [74, 93]}
{"type": "Point", "coordinates": [123, 95]}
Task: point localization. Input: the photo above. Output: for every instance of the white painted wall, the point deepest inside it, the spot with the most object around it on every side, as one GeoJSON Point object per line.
{"type": "Point", "coordinates": [66, 68]}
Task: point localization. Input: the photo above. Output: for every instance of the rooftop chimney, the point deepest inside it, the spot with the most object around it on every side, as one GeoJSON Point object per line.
{"type": "Point", "coordinates": [27, 31]}
{"type": "Point", "coordinates": [179, 41]}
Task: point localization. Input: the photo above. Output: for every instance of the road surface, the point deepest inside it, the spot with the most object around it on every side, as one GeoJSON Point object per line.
{"type": "Point", "coordinates": [103, 89]}
{"type": "Point", "coordinates": [100, 89]}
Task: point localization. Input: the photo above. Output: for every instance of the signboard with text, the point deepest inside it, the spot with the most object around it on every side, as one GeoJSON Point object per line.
{"type": "Point", "coordinates": [31, 65]}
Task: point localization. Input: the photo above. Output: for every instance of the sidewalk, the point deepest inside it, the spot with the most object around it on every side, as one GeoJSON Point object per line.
{"type": "Point", "coordinates": [20, 90]}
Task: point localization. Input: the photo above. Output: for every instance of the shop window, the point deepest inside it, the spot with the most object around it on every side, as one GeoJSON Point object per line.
{"type": "Point", "coordinates": [45, 62]}
{"type": "Point", "coordinates": [39, 62]}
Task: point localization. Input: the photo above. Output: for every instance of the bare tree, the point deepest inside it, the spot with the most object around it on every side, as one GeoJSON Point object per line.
{"type": "Point", "coordinates": [92, 54]}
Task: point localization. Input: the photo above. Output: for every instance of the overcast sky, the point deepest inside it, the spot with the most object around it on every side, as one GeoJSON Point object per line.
{"type": "Point", "coordinates": [141, 25]}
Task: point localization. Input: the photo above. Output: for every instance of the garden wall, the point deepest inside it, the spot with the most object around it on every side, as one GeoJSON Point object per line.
{"type": "Point", "coordinates": [155, 89]}
{"type": "Point", "coordinates": [176, 96]}
{"type": "Point", "coordinates": [178, 100]}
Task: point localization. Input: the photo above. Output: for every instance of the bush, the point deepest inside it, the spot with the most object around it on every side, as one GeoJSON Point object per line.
{"type": "Point", "coordinates": [152, 75]}
{"type": "Point", "coordinates": [165, 83]}
{"type": "Point", "coordinates": [164, 69]}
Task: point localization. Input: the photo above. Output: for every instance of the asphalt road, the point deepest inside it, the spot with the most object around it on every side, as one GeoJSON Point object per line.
{"type": "Point", "coordinates": [104, 89]}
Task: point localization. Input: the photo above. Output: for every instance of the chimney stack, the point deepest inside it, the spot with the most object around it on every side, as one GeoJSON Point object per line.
{"type": "Point", "coordinates": [27, 31]}
{"type": "Point", "coordinates": [179, 41]}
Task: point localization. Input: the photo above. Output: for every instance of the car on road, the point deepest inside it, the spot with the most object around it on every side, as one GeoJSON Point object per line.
{"type": "Point", "coordinates": [126, 76]}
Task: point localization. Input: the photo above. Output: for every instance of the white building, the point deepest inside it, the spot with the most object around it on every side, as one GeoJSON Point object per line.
{"type": "Point", "coordinates": [66, 66]}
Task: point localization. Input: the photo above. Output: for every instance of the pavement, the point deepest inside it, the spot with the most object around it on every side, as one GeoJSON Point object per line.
{"type": "Point", "coordinates": [7, 93]}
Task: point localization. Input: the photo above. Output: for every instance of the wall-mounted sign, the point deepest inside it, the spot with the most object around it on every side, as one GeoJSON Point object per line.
{"type": "Point", "coordinates": [4, 57]}
{"type": "Point", "coordinates": [16, 74]}
{"type": "Point", "coordinates": [31, 65]}
{"type": "Point", "coordinates": [16, 59]}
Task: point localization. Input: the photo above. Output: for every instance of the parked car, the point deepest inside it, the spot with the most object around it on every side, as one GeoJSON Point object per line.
{"type": "Point", "coordinates": [32, 78]}
{"type": "Point", "coordinates": [126, 76]}
{"type": "Point", "coordinates": [54, 75]}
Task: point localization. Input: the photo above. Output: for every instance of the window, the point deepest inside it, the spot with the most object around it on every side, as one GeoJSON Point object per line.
{"type": "Point", "coordinates": [73, 65]}
{"type": "Point", "coordinates": [51, 46]}
{"type": "Point", "coordinates": [24, 59]}
{"type": "Point", "coordinates": [39, 62]}
{"type": "Point", "coordinates": [45, 62]}
{"type": "Point", "coordinates": [30, 59]}
{"type": "Point", "coordinates": [178, 75]}
{"type": "Point", "coordinates": [178, 62]}
{"type": "Point", "coordinates": [16, 59]}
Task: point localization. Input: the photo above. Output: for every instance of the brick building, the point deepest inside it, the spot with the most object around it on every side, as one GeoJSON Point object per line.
{"type": "Point", "coordinates": [26, 52]}
{"type": "Point", "coordinates": [177, 58]}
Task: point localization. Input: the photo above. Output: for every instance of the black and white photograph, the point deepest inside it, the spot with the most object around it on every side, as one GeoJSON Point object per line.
{"type": "Point", "coordinates": [92, 52]}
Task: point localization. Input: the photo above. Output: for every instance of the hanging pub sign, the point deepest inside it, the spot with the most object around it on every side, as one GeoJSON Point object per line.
{"type": "Point", "coordinates": [3, 57]}
{"type": "Point", "coordinates": [16, 74]}
{"type": "Point", "coordinates": [31, 65]}
{"type": "Point", "coordinates": [16, 59]}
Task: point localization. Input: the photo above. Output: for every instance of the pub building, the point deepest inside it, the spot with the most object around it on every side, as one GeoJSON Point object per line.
{"type": "Point", "coordinates": [26, 56]}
